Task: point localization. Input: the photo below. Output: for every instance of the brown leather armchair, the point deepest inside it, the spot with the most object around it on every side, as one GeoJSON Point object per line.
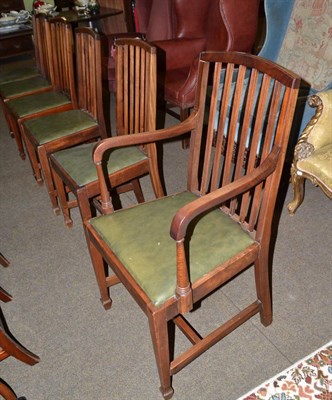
{"type": "Point", "coordinates": [202, 25]}
{"type": "Point", "coordinates": [181, 29]}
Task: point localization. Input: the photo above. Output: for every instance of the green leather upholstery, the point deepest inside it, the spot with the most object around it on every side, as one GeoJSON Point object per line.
{"type": "Point", "coordinates": [149, 253]}
{"type": "Point", "coordinates": [78, 163]}
{"type": "Point", "coordinates": [54, 126]}
{"type": "Point", "coordinates": [319, 165]}
{"type": "Point", "coordinates": [24, 86]}
{"type": "Point", "coordinates": [13, 75]}
{"type": "Point", "coordinates": [34, 103]}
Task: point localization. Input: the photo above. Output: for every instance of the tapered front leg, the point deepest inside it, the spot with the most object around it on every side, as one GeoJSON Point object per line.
{"type": "Point", "coordinates": [99, 268]}
{"type": "Point", "coordinates": [263, 287]}
{"type": "Point", "coordinates": [160, 339]}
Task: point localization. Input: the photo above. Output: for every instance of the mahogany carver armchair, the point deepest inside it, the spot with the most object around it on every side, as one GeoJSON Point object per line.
{"type": "Point", "coordinates": [82, 124]}
{"type": "Point", "coordinates": [59, 41]}
{"type": "Point", "coordinates": [193, 242]}
{"type": "Point", "coordinates": [73, 169]}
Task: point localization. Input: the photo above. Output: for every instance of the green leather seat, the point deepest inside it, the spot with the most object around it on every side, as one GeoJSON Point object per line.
{"type": "Point", "coordinates": [23, 86]}
{"type": "Point", "coordinates": [78, 162]}
{"type": "Point", "coordinates": [54, 126]}
{"type": "Point", "coordinates": [35, 103]}
{"type": "Point", "coordinates": [13, 75]}
{"type": "Point", "coordinates": [140, 238]}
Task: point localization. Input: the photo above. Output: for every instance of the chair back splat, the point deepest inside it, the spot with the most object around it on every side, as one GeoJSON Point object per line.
{"type": "Point", "coordinates": [194, 241]}
{"type": "Point", "coordinates": [60, 41]}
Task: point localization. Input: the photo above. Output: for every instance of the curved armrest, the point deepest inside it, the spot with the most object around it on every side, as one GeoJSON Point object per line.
{"type": "Point", "coordinates": [134, 140]}
{"type": "Point", "coordinates": [143, 138]}
{"type": "Point", "coordinates": [211, 200]}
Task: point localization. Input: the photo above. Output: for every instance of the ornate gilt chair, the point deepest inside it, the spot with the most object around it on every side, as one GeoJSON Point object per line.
{"type": "Point", "coordinates": [82, 124]}
{"type": "Point", "coordinates": [172, 252]}
{"type": "Point", "coordinates": [73, 168]}
{"type": "Point", "coordinates": [313, 151]}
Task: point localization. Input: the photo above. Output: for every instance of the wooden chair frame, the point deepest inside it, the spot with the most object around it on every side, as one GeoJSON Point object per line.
{"type": "Point", "coordinates": [89, 84]}
{"type": "Point", "coordinates": [135, 112]}
{"type": "Point", "coordinates": [59, 42]}
{"type": "Point", "coordinates": [245, 191]}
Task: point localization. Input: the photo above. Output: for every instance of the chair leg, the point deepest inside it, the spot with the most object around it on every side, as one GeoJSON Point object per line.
{"type": "Point", "coordinates": [33, 159]}
{"type": "Point", "coordinates": [184, 114]}
{"type": "Point", "coordinates": [62, 198]}
{"type": "Point", "coordinates": [138, 190]}
{"type": "Point", "coordinates": [84, 205]}
{"type": "Point", "coordinates": [6, 392]}
{"type": "Point", "coordinates": [159, 334]}
{"type": "Point", "coordinates": [3, 261]}
{"type": "Point", "coordinates": [15, 349]}
{"type": "Point", "coordinates": [298, 189]}
{"type": "Point", "coordinates": [99, 268]}
{"type": "Point", "coordinates": [15, 129]}
{"type": "Point", "coordinates": [263, 287]}
{"type": "Point", "coordinates": [7, 118]}
{"type": "Point", "coordinates": [48, 179]}
{"type": "Point", "coordinates": [5, 296]}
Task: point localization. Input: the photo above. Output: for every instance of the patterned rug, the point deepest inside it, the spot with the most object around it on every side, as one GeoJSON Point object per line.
{"type": "Point", "coordinates": [308, 379]}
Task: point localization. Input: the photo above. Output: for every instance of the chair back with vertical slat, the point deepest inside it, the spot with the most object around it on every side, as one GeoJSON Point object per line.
{"type": "Point", "coordinates": [248, 114]}
{"type": "Point", "coordinates": [60, 43]}
{"type": "Point", "coordinates": [40, 44]}
{"type": "Point", "coordinates": [89, 74]}
{"type": "Point", "coordinates": [135, 86]}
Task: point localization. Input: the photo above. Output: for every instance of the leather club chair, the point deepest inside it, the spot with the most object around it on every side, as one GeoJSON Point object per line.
{"type": "Point", "coordinates": [181, 29]}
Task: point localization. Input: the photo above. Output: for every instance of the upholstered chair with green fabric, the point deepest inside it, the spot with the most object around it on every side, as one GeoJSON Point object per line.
{"type": "Point", "coordinates": [59, 40]}
{"type": "Point", "coordinates": [85, 123]}
{"type": "Point", "coordinates": [313, 152]}
{"type": "Point", "coordinates": [172, 252]}
{"type": "Point", "coordinates": [73, 169]}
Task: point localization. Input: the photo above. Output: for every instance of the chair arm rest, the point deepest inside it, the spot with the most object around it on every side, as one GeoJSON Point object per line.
{"type": "Point", "coordinates": [211, 200]}
{"type": "Point", "coordinates": [181, 52]}
{"type": "Point", "coordinates": [143, 138]}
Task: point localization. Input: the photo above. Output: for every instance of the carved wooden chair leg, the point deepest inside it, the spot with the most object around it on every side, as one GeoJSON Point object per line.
{"type": "Point", "coordinates": [298, 188]}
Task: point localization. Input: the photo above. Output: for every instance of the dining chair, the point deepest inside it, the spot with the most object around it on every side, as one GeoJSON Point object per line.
{"type": "Point", "coordinates": [9, 346]}
{"type": "Point", "coordinates": [13, 74]}
{"type": "Point", "coordinates": [59, 41]}
{"type": "Point", "coordinates": [84, 123]}
{"type": "Point", "coordinates": [173, 252]}
{"type": "Point", "coordinates": [23, 83]}
{"type": "Point", "coordinates": [73, 169]}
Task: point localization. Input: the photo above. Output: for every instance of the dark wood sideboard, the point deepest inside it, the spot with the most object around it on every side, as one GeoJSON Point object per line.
{"type": "Point", "coordinates": [15, 42]}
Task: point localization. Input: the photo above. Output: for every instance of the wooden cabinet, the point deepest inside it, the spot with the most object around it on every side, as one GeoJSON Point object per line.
{"type": "Point", "coordinates": [15, 42]}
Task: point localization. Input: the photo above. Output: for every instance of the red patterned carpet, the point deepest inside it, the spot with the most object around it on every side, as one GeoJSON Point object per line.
{"type": "Point", "coordinates": [308, 379]}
